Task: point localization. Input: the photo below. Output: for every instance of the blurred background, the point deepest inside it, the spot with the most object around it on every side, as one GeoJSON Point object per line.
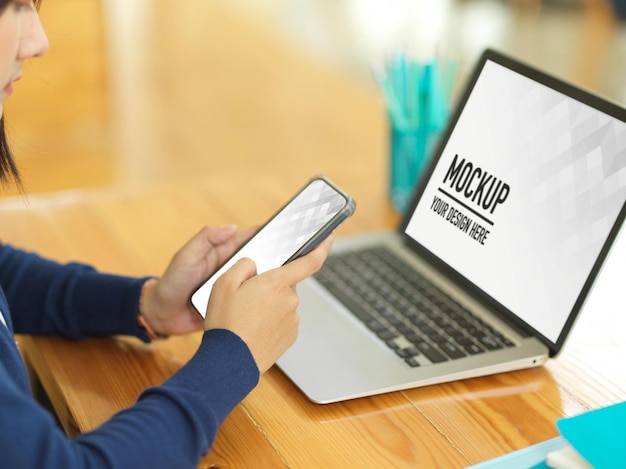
{"type": "Point", "coordinates": [137, 93]}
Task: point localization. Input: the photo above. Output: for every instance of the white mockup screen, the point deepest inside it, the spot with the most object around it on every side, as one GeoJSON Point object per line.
{"type": "Point", "coordinates": [528, 187]}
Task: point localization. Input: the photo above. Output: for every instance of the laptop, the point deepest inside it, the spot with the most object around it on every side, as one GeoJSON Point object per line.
{"type": "Point", "coordinates": [494, 257]}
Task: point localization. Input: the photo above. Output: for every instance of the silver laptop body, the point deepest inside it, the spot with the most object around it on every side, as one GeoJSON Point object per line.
{"type": "Point", "coordinates": [554, 157]}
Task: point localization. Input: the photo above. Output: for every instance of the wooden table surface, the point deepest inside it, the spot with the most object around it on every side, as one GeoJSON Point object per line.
{"type": "Point", "coordinates": [449, 425]}
{"type": "Point", "coordinates": [202, 116]}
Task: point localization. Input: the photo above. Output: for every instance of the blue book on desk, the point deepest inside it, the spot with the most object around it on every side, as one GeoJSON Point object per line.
{"type": "Point", "coordinates": [599, 436]}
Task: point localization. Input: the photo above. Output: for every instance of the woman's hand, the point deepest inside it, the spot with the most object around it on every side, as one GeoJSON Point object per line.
{"type": "Point", "coordinates": [261, 309]}
{"type": "Point", "coordinates": [164, 302]}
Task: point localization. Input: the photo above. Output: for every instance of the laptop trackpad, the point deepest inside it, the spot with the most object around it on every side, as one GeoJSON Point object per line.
{"type": "Point", "coordinates": [334, 354]}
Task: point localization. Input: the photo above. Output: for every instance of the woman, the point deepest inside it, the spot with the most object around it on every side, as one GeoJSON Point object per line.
{"type": "Point", "coordinates": [250, 321]}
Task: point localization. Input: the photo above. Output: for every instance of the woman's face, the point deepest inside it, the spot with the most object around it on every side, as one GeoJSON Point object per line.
{"type": "Point", "coordinates": [21, 37]}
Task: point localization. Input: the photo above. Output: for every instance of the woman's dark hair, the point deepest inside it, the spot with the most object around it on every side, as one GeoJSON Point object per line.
{"type": "Point", "coordinates": [8, 168]}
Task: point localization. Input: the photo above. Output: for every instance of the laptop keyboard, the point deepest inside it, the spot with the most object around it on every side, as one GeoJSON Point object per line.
{"type": "Point", "coordinates": [407, 312]}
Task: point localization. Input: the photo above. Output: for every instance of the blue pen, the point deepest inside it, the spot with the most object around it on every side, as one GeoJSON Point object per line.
{"type": "Point", "coordinates": [397, 71]}
{"type": "Point", "coordinates": [414, 76]}
{"type": "Point", "coordinates": [394, 107]}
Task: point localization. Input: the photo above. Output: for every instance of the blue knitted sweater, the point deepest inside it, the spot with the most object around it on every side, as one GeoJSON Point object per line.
{"type": "Point", "coordinates": [170, 426]}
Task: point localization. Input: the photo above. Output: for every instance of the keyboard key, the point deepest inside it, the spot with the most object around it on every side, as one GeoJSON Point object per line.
{"type": "Point", "coordinates": [430, 352]}
{"type": "Point", "coordinates": [490, 343]}
{"type": "Point", "coordinates": [407, 352]}
{"type": "Point", "coordinates": [452, 350]}
{"type": "Point", "coordinates": [412, 362]}
{"type": "Point", "coordinates": [472, 349]}
{"type": "Point", "coordinates": [386, 335]}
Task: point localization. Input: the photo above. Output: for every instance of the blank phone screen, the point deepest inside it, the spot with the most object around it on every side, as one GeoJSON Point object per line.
{"type": "Point", "coordinates": [278, 240]}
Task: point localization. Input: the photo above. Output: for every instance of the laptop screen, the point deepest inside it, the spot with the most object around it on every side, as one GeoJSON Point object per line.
{"type": "Point", "coordinates": [527, 189]}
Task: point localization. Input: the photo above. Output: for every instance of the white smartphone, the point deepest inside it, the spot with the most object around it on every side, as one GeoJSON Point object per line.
{"type": "Point", "coordinates": [298, 227]}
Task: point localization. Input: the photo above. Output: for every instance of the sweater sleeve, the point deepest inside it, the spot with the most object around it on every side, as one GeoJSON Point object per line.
{"type": "Point", "coordinates": [72, 300]}
{"type": "Point", "coordinates": [170, 426]}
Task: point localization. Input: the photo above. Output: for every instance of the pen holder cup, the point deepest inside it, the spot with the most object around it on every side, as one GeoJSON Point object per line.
{"type": "Point", "coordinates": [410, 151]}
{"type": "Point", "coordinates": [417, 98]}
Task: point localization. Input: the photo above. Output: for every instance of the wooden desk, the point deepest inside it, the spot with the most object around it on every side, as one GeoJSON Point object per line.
{"type": "Point", "coordinates": [451, 425]}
